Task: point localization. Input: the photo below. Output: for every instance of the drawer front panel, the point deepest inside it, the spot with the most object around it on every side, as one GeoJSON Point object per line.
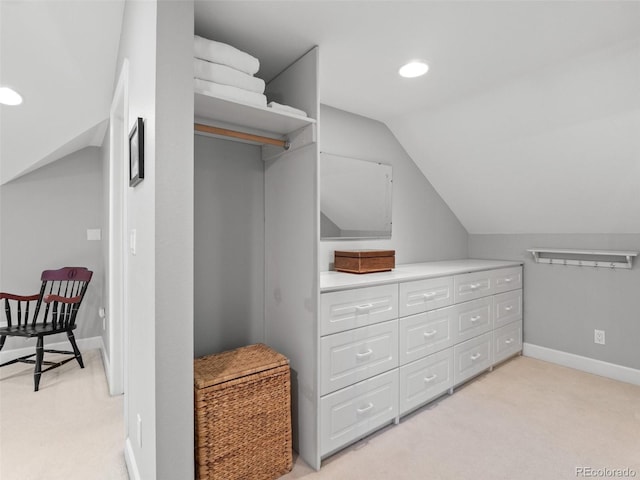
{"type": "Point", "coordinates": [356, 410]}
{"type": "Point", "coordinates": [507, 308]}
{"type": "Point", "coordinates": [472, 318]}
{"type": "Point", "coordinates": [352, 356]}
{"type": "Point", "coordinates": [423, 295]}
{"type": "Point", "coordinates": [472, 357]}
{"type": "Point", "coordinates": [506, 279]}
{"type": "Point", "coordinates": [470, 286]}
{"type": "Point", "coordinates": [425, 333]}
{"type": "Point", "coordinates": [349, 309]}
{"type": "Point", "coordinates": [425, 379]}
{"type": "Point", "coordinates": [507, 341]}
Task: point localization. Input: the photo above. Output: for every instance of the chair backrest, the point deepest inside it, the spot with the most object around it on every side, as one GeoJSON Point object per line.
{"type": "Point", "coordinates": [62, 291]}
{"type": "Point", "coordinates": [65, 289]}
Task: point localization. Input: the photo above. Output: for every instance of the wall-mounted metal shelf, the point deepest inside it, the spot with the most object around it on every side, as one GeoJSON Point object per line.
{"type": "Point", "coordinates": [584, 258]}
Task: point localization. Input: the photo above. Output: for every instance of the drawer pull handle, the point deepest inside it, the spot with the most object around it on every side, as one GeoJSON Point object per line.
{"type": "Point", "coordinates": [364, 354]}
{"type": "Point", "coordinates": [364, 308]}
{"type": "Point", "coordinates": [475, 319]}
{"type": "Point", "coordinates": [508, 341]}
{"type": "Point", "coordinates": [430, 333]}
{"type": "Point", "coordinates": [474, 286]}
{"type": "Point", "coordinates": [430, 294]}
{"type": "Point", "coordinates": [508, 279]}
{"type": "Point", "coordinates": [509, 308]}
{"type": "Point", "coordinates": [475, 356]}
{"type": "Point", "coordinates": [431, 378]}
{"type": "Point", "coordinates": [364, 409]}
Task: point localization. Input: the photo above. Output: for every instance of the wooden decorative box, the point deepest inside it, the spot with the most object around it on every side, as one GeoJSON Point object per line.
{"type": "Point", "coordinates": [243, 414]}
{"type": "Point", "coordinates": [364, 261]}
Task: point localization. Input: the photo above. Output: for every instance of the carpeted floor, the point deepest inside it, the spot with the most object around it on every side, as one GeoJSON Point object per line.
{"type": "Point", "coordinates": [70, 429]}
{"type": "Point", "coordinates": [527, 419]}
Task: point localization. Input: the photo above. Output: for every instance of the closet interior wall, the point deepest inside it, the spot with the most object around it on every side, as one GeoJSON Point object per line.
{"type": "Point", "coordinates": [228, 245]}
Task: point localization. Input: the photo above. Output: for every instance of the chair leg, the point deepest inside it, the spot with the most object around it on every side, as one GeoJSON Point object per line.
{"type": "Point", "coordinates": [2, 339]}
{"type": "Point", "coordinates": [39, 357]}
{"type": "Point", "coordinates": [75, 348]}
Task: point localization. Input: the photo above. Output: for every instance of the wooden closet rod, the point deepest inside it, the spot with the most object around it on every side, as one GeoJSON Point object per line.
{"type": "Point", "coordinates": [241, 135]}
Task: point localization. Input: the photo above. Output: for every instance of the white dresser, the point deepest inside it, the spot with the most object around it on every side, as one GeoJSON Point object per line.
{"type": "Point", "coordinates": [391, 342]}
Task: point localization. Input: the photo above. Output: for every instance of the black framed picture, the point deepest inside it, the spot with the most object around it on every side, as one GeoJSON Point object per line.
{"type": "Point", "coordinates": [136, 153]}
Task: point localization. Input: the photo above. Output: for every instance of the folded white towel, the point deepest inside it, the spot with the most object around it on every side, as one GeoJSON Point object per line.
{"type": "Point", "coordinates": [287, 109]}
{"type": "Point", "coordinates": [214, 72]}
{"type": "Point", "coordinates": [224, 54]}
{"type": "Point", "coordinates": [230, 93]}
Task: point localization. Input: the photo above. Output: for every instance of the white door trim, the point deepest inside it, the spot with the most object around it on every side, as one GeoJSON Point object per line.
{"type": "Point", "coordinates": [116, 268]}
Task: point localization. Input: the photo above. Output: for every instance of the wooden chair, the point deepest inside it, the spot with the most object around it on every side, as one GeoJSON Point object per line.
{"type": "Point", "coordinates": [61, 293]}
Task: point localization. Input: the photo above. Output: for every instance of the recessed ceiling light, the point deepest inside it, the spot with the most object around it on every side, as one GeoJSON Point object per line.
{"type": "Point", "coordinates": [413, 69]}
{"type": "Point", "coordinates": [9, 96]}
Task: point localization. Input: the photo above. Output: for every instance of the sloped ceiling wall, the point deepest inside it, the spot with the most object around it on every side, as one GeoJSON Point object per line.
{"type": "Point", "coordinates": [555, 151]}
{"type": "Point", "coordinates": [528, 120]}
{"type": "Point", "coordinates": [61, 57]}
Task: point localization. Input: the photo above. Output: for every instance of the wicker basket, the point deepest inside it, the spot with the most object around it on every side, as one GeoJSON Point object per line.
{"type": "Point", "coordinates": [243, 415]}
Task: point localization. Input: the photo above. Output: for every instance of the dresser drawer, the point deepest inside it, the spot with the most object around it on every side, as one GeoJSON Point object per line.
{"type": "Point", "coordinates": [506, 279]}
{"type": "Point", "coordinates": [471, 319]}
{"type": "Point", "coordinates": [507, 341]}
{"type": "Point", "coordinates": [351, 413]}
{"type": "Point", "coordinates": [340, 311]}
{"type": "Point", "coordinates": [472, 357]}
{"type": "Point", "coordinates": [470, 286]}
{"type": "Point", "coordinates": [425, 379]}
{"type": "Point", "coordinates": [423, 295]}
{"type": "Point", "coordinates": [425, 333]}
{"type": "Point", "coordinates": [507, 308]}
{"type": "Point", "coordinates": [351, 356]}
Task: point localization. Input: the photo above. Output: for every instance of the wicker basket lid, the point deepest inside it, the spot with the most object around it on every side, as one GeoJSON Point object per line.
{"type": "Point", "coordinates": [222, 367]}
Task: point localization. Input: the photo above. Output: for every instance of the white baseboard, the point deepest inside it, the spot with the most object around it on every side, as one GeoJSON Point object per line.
{"type": "Point", "coordinates": [105, 360]}
{"type": "Point", "coordinates": [130, 460]}
{"type": "Point", "coordinates": [83, 344]}
{"type": "Point", "coordinates": [585, 364]}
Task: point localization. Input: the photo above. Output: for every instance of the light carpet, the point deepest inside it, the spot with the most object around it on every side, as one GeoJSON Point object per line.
{"type": "Point", "coordinates": [70, 429]}
{"type": "Point", "coordinates": [528, 419]}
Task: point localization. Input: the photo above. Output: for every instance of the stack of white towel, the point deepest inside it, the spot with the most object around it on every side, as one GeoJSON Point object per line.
{"type": "Point", "coordinates": [224, 71]}
{"type": "Point", "coordinates": [221, 70]}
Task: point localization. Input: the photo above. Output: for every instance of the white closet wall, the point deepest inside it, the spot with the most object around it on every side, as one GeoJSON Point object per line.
{"type": "Point", "coordinates": [291, 240]}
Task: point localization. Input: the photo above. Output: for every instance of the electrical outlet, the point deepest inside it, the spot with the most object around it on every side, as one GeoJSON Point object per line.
{"type": "Point", "coordinates": [598, 337]}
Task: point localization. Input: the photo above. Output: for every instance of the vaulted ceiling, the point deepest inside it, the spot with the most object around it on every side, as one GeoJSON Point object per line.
{"type": "Point", "coordinates": [61, 57]}
{"type": "Point", "coordinates": [526, 122]}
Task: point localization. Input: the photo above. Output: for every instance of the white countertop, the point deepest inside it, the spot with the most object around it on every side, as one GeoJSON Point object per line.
{"type": "Point", "coordinates": [330, 281]}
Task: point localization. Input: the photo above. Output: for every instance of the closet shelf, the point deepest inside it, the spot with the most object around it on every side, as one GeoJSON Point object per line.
{"type": "Point", "coordinates": [584, 258]}
{"type": "Point", "coordinates": [254, 119]}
